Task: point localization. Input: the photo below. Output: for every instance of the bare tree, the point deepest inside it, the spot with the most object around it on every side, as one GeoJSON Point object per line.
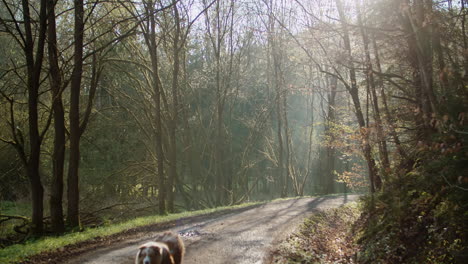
{"type": "Point", "coordinates": [372, 85]}
{"type": "Point", "coordinates": [58, 155]}
{"type": "Point", "coordinates": [30, 35]}
{"type": "Point", "coordinates": [74, 116]}
{"type": "Point", "coordinates": [219, 26]}
{"type": "Point", "coordinates": [375, 181]}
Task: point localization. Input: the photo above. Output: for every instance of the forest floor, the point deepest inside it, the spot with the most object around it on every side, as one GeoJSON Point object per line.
{"type": "Point", "coordinates": [325, 237]}
{"type": "Point", "coordinates": [241, 236]}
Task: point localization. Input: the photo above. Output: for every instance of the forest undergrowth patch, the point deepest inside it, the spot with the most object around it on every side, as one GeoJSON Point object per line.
{"type": "Point", "coordinates": [325, 237]}
{"type": "Point", "coordinates": [421, 215]}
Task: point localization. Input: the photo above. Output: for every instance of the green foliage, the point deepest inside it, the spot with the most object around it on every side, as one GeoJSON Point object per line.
{"type": "Point", "coordinates": [14, 182]}
{"type": "Point", "coordinates": [15, 208]}
{"type": "Point", "coordinates": [420, 216]}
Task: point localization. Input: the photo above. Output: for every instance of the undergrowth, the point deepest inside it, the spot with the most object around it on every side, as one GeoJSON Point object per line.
{"type": "Point", "coordinates": [324, 237]}
{"type": "Point", "coordinates": [421, 214]}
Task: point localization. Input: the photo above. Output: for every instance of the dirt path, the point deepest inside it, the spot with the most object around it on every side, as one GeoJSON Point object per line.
{"type": "Point", "coordinates": [240, 237]}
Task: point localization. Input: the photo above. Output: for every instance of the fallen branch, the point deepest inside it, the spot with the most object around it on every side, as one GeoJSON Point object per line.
{"type": "Point", "coordinates": [17, 228]}
{"type": "Point", "coordinates": [4, 218]}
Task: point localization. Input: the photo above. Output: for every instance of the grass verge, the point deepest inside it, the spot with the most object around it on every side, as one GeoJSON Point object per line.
{"type": "Point", "coordinates": [324, 237]}
{"type": "Point", "coordinates": [21, 252]}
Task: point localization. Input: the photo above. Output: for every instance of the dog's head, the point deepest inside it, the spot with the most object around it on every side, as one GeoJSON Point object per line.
{"type": "Point", "coordinates": [151, 253]}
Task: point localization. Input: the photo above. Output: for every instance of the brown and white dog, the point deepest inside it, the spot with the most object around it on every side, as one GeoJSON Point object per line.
{"type": "Point", "coordinates": [167, 249]}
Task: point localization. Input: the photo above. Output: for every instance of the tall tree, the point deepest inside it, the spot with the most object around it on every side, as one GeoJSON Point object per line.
{"type": "Point", "coordinates": [30, 35]}
{"type": "Point", "coordinates": [219, 25]}
{"type": "Point", "coordinates": [369, 69]}
{"type": "Point", "coordinates": [182, 23]}
{"type": "Point", "coordinates": [375, 181]}
{"type": "Point", "coordinates": [34, 62]}
{"type": "Point", "coordinates": [78, 121]}
{"type": "Point", "coordinates": [175, 106]}
{"type": "Point", "coordinates": [330, 123]}
{"type": "Point", "coordinates": [73, 194]}
{"type": "Point", "coordinates": [276, 60]}
{"type": "Point", "coordinates": [415, 18]}
{"type": "Point", "coordinates": [58, 155]}
{"type": "Point", "coordinates": [388, 115]}
{"type": "Point", "coordinates": [149, 33]}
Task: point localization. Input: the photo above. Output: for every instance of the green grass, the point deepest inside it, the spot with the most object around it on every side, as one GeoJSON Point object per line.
{"type": "Point", "coordinates": [20, 252]}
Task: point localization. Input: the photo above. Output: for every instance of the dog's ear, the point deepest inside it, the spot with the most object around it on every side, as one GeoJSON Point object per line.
{"type": "Point", "coordinates": [167, 256]}
{"type": "Point", "coordinates": [156, 247]}
{"type": "Point", "coordinates": [142, 247]}
{"type": "Point", "coordinates": [137, 258]}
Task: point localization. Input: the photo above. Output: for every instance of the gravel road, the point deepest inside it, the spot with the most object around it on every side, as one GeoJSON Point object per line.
{"type": "Point", "coordinates": [239, 237]}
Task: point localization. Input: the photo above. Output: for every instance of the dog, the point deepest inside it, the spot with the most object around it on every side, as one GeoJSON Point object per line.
{"type": "Point", "coordinates": [167, 249]}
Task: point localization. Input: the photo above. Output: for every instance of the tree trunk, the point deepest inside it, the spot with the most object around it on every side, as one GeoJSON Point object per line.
{"type": "Point", "coordinates": [420, 57]}
{"type": "Point", "coordinates": [73, 218]}
{"type": "Point", "coordinates": [58, 156]}
{"type": "Point", "coordinates": [150, 39]}
{"type": "Point", "coordinates": [330, 175]}
{"type": "Point", "coordinates": [274, 95]}
{"type": "Point", "coordinates": [289, 176]}
{"type": "Point", "coordinates": [443, 71]}
{"type": "Point", "coordinates": [311, 137]}
{"type": "Point", "coordinates": [34, 62]}
{"type": "Point", "coordinates": [465, 41]}
{"type": "Point", "coordinates": [175, 109]}
{"type": "Point", "coordinates": [383, 152]}
{"type": "Point", "coordinates": [279, 113]}
{"type": "Point", "coordinates": [217, 36]}
{"type": "Point", "coordinates": [388, 115]}
{"type": "Point", "coordinates": [219, 175]}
